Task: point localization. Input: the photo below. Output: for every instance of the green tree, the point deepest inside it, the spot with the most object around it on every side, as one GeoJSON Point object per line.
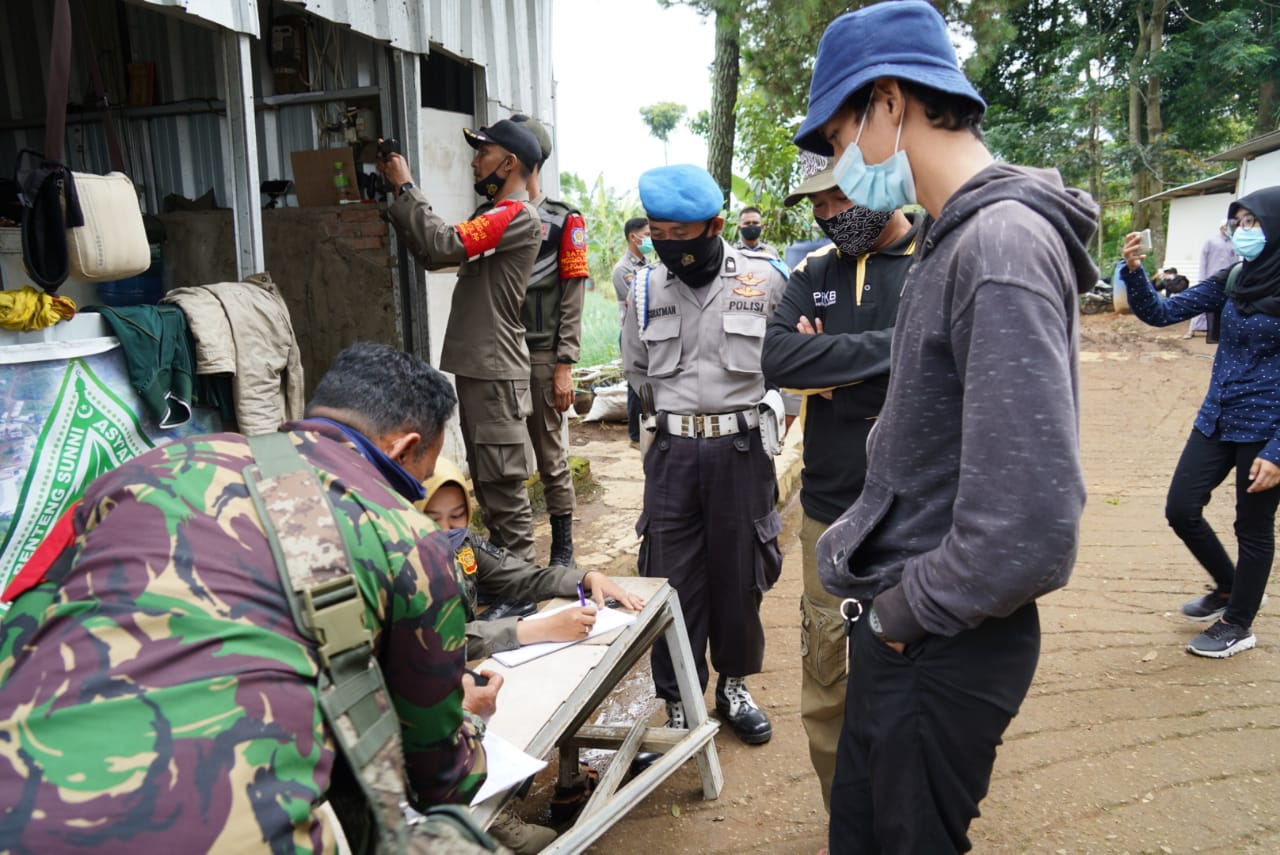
{"type": "Point", "coordinates": [1125, 98]}
{"type": "Point", "coordinates": [725, 73]}
{"type": "Point", "coordinates": [661, 119]}
{"type": "Point", "coordinates": [606, 211]}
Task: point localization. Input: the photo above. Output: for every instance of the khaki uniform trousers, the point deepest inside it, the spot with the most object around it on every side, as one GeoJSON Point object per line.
{"type": "Point", "coordinates": [824, 677]}
{"type": "Point", "coordinates": [493, 413]}
{"type": "Point", "coordinates": [547, 433]}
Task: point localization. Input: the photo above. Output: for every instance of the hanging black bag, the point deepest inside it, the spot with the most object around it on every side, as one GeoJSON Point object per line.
{"type": "Point", "coordinates": [80, 224]}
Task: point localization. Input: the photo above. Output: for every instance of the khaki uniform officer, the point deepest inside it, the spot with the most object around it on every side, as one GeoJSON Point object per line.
{"type": "Point", "coordinates": [484, 342]}
{"type": "Point", "coordinates": [693, 333]}
{"type": "Point", "coordinates": [553, 330]}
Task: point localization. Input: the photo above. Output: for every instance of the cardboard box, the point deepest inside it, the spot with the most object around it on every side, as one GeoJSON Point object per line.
{"type": "Point", "coordinates": [313, 175]}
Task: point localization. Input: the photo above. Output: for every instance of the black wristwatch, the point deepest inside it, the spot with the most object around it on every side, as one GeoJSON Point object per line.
{"type": "Point", "coordinates": [873, 623]}
{"type": "Point", "coordinates": [564, 360]}
{"type": "Point", "coordinates": [404, 188]}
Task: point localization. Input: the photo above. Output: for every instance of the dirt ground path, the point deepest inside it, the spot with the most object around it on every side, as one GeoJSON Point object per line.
{"type": "Point", "coordinates": [1125, 744]}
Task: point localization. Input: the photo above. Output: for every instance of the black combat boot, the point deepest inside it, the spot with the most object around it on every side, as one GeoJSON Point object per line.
{"type": "Point", "coordinates": [561, 541]}
{"type": "Point", "coordinates": [735, 704]}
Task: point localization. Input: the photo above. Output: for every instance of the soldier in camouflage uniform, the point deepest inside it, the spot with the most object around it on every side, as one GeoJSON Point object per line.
{"type": "Point", "coordinates": [154, 688]}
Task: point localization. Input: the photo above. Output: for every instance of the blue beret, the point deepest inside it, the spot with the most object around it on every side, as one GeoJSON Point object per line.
{"type": "Point", "coordinates": [904, 39]}
{"type": "Point", "coordinates": [682, 193]}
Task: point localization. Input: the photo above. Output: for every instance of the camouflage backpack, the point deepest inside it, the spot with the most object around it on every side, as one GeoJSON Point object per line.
{"type": "Point", "coordinates": [368, 789]}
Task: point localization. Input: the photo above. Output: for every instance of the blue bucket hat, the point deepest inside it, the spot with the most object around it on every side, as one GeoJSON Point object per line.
{"type": "Point", "coordinates": [681, 193]}
{"type": "Point", "coordinates": [905, 39]}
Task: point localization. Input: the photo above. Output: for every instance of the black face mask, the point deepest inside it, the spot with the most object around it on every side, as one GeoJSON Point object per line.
{"type": "Point", "coordinates": [489, 186]}
{"type": "Point", "coordinates": [750, 232]}
{"type": "Point", "coordinates": [695, 261]}
{"type": "Point", "coordinates": [854, 230]}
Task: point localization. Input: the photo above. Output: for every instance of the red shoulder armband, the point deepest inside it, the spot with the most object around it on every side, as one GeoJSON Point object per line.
{"type": "Point", "coordinates": [480, 235]}
{"type": "Point", "coordinates": [57, 540]}
{"type": "Point", "coordinates": [573, 248]}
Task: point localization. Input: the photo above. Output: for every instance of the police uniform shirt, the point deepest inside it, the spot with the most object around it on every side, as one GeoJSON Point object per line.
{"type": "Point", "coordinates": [624, 273]}
{"type": "Point", "coordinates": [760, 246]}
{"type": "Point", "coordinates": [700, 347]}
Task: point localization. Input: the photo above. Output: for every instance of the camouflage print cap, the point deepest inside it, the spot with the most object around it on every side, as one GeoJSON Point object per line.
{"type": "Point", "coordinates": [538, 130]}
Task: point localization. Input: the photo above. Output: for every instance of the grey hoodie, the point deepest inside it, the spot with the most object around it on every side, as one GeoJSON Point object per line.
{"type": "Point", "coordinates": [974, 490]}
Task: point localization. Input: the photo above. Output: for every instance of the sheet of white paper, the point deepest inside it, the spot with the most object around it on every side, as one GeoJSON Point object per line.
{"type": "Point", "coordinates": [607, 620]}
{"type": "Point", "coordinates": [507, 765]}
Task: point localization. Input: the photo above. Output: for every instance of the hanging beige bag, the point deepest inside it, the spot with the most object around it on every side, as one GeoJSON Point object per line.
{"type": "Point", "coordinates": [112, 243]}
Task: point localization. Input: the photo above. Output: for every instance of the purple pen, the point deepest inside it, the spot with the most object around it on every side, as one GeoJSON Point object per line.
{"type": "Point", "coordinates": [582, 598]}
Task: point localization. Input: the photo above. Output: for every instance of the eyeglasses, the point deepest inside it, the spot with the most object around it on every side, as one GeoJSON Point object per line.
{"type": "Point", "coordinates": [1244, 221]}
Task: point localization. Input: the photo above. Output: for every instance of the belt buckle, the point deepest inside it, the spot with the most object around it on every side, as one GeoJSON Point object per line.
{"type": "Point", "coordinates": [715, 426]}
{"type": "Point", "coordinates": [699, 426]}
{"type": "Point", "coordinates": [689, 425]}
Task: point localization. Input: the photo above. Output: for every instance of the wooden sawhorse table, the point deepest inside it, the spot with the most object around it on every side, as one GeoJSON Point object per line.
{"type": "Point", "coordinates": [546, 702]}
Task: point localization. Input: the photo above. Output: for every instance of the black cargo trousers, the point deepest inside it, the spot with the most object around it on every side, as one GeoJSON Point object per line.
{"type": "Point", "coordinates": [920, 733]}
{"type": "Point", "coordinates": [710, 527]}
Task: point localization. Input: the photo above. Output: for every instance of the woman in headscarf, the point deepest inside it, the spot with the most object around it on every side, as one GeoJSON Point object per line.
{"type": "Point", "coordinates": [495, 571]}
{"type": "Point", "coordinates": [1238, 426]}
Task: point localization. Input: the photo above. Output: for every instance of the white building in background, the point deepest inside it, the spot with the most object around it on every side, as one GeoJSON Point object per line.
{"type": "Point", "coordinates": [1197, 209]}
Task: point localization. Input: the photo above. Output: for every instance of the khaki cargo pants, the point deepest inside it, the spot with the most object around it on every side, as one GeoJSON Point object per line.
{"type": "Point", "coordinates": [493, 413]}
{"type": "Point", "coordinates": [823, 677]}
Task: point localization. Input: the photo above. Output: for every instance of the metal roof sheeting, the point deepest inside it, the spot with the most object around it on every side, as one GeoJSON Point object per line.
{"type": "Point", "coordinates": [241, 16]}
{"type": "Point", "coordinates": [1264, 144]}
{"type": "Point", "coordinates": [176, 147]}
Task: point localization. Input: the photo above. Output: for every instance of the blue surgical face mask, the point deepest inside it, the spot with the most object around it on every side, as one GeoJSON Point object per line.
{"type": "Point", "coordinates": [883, 186]}
{"type": "Point", "coordinates": [1248, 243]}
{"type": "Point", "coordinates": [646, 246]}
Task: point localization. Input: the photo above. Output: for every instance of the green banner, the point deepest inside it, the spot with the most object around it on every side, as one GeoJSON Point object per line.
{"type": "Point", "coordinates": [89, 430]}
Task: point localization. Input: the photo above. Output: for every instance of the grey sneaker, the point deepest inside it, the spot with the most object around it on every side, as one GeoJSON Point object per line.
{"type": "Point", "coordinates": [519, 836]}
{"type": "Point", "coordinates": [1211, 606]}
{"type": "Point", "coordinates": [675, 715]}
{"type": "Point", "coordinates": [1206, 608]}
{"type": "Point", "coordinates": [1222, 640]}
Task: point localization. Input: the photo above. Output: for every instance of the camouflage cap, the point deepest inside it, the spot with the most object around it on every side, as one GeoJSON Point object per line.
{"type": "Point", "coordinates": [538, 130]}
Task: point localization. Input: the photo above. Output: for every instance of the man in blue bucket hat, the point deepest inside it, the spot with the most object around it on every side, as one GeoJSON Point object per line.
{"type": "Point", "coordinates": [973, 490]}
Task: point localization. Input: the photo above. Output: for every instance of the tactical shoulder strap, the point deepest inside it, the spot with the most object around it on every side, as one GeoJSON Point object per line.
{"type": "Point", "coordinates": [312, 558]}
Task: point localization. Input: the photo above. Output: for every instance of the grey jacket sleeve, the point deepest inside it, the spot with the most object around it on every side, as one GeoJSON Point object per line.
{"type": "Point", "coordinates": [1015, 521]}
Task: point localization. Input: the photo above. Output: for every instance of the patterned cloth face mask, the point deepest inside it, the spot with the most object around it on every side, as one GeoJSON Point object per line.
{"type": "Point", "coordinates": [854, 230]}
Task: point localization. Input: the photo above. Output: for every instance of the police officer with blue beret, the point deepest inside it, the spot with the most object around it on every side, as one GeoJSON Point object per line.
{"type": "Point", "coordinates": [691, 343]}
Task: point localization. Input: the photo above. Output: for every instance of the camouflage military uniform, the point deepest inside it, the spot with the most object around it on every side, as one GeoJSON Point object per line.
{"type": "Point", "coordinates": [160, 694]}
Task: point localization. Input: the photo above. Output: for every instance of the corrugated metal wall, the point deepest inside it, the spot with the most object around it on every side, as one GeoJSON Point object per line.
{"type": "Point", "coordinates": [181, 152]}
